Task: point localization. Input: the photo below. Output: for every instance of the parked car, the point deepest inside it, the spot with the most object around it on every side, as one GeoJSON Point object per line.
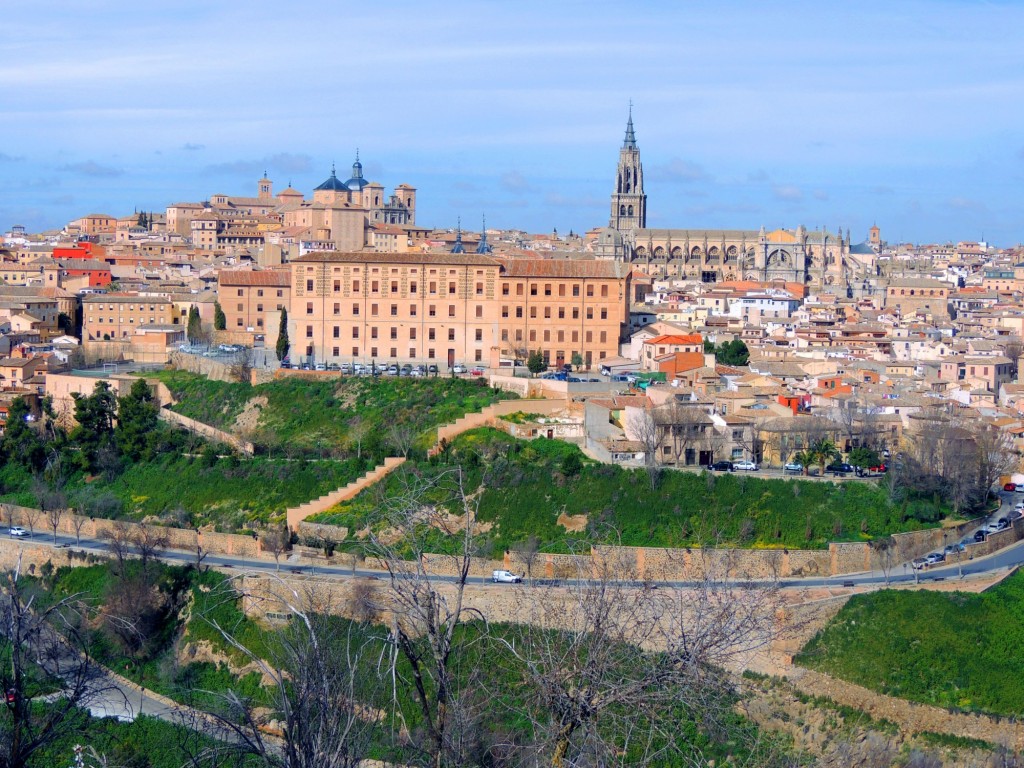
{"type": "Point", "coordinates": [346, 368]}
{"type": "Point", "coordinates": [476, 372]}
{"type": "Point", "coordinates": [1010, 487]}
{"type": "Point", "coordinates": [839, 468]}
{"type": "Point", "coordinates": [1019, 488]}
{"type": "Point", "coordinates": [721, 466]}
{"type": "Point", "coordinates": [458, 368]}
{"type": "Point", "coordinates": [794, 466]}
{"type": "Point", "coordinates": [574, 380]}
{"type": "Point", "coordinates": [505, 577]}
{"type": "Point", "coordinates": [934, 557]}
{"type": "Point", "coordinates": [979, 536]}
{"type": "Point", "coordinates": [17, 531]}
{"type": "Point", "coordinates": [432, 369]}
{"type": "Point", "coordinates": [918, 563]}
{"type": "Point", "coordinates": [392, 370]}
{"type": "Point", "coordinates": [991, 528]}
{"type": "Point", "coordinates": [745, 466]}
{"type": "Point", "coordinates": [952, 549]}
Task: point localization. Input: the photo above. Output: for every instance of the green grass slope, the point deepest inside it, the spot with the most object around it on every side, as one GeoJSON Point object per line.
{"type": "Point", "coordinates": [954, 650]}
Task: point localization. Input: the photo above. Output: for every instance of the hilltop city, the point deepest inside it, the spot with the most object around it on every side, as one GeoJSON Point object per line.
{"type": "Point", "coordinates": [890, 335]}
{"type": "Point", "coordinates": [293, 479]}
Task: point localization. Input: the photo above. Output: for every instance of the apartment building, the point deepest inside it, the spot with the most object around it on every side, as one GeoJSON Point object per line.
{"type": "Point", "coordinates": [246, 296]}
{"type": "Point", "coordinates": [444, 308]}
{"type": "Point", "coordinates": [111, 316]}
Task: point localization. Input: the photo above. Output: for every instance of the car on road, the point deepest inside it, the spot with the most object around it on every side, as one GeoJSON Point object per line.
{"type": "Point", "coordinates": [1010, 487]}
{"type": "Point", "coordinates": [794, 466]}
{"type": "Point", "coordinates": [934, 557]}
{"type": "Point", "coordinates": [839, 468]}
{"type": "Point", "coordinates": [17, 531]}
{"type": "Point", "coordinates": [721, 466]}
{"type": "Point", "coordinates": [745, 466]}
{"type": "Point", "coordinates": [506, 577]}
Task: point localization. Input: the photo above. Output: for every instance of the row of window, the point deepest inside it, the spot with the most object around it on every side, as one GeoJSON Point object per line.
{"type": "Point", "coordinates": [122, 307]}
{"type": "Point", "coordinates": [452, 288]}
{"type": "Point", "coordinates": [259, 292]}
{"type": "Point", "coordinates": [478, 311]}
{"type": "Point", "coordinates": [588, 337]}
{"type": "Point", "coordinates": [374, 352]}
{"type": "Point", "coordinates": [115, 321]}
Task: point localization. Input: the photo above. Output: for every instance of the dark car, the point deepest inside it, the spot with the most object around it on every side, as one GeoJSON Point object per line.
{"type": "Point", "coordinates": [839, 469]}
{"type": "Point", "coordinates": [979, 536]}
{"type": "Point", "coordinates": [722, 466]}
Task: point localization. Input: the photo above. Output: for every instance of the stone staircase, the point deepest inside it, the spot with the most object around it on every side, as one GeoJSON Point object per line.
{"type": "Point", "coordinates": [296, 515]}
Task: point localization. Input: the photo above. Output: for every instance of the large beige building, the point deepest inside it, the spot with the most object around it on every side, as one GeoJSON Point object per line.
{"type": "Point", "coordinates": [448, 308]}
{"type": "Point", "coordinates": [113, 316]}
{"type": "Point", "coordinates": [247, 296]}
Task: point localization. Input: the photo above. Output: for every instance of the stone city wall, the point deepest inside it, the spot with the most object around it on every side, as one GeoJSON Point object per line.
{"type": "Point", "coordinates": [207, 431]}
{"type": "Point", "coordinates": [493, 412]}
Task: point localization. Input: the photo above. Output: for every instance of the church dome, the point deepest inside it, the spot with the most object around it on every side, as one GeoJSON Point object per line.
{"type": "Point", "coordinates": [357, 182]}
{"type": "Point", "coordinates": [333, 184]}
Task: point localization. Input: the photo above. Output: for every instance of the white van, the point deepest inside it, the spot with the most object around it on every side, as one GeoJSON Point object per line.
{"type": "Point", "coordinates": [505, 577]}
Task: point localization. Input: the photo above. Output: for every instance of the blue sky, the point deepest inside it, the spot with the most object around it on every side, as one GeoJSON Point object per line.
{"type": "Point", "coordinates": [747, 114]}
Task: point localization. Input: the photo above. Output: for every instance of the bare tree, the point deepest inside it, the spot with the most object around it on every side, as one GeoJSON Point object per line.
{"type": "Point", "coordinates": [241, 365]}
{"type": "Point", "coordinates": [53, 516]}
{"type": "Point", "coordinates": [321, 679]}
{"type": "Point", "coordinates": [685, 423]}
{"type": "Point", "coordinates": [150, 542]}
{"type": "Point", "coordinates": [29, 516]}
{"type": "Point", "coordinates": [118, 538]}
{"type": "Point", "coordinates": [401, 436]}
{"type": "Point", "coordinates": [9, 512]}
{"type": "Point", "coordinates": [644, 428]}
{"type": "Point", "coordinates": [78, 522]}
{"type": "Point", "coordinates": [45, 645]}
{"type": "Point", "coordinates": [527, 552]}
{"type": "Point", "coordinates": [605, 662]}
{"type": "Point", "coordinates": [276, 541]}
{"type": "Point", "coordinates": [426, 612]}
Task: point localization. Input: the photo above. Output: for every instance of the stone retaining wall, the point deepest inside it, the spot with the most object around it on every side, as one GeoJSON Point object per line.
{"type": "Point", "coordinates": [244, 446]}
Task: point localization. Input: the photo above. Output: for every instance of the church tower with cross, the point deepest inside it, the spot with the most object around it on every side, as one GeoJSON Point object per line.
{"type": "Point", "coordinates": [629, 202]}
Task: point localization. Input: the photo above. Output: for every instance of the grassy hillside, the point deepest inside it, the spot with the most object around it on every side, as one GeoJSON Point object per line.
{"type": "Point", "coordinates": [527, 485]}
{"type": "Point", "coordinates": [949, 649]}
{"type": "Point", "coordinates": [312, 414]}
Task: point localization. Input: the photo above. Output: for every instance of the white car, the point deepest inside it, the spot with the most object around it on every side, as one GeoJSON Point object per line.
{"type": "Point", "coordinates": [17, 531]}
{"type": "Point", "coordinates": [794, 466]}
{"type": "Point", "coordinates": [747, 466]}
{"type": "Point", "coordinates": [458, 369]}
{"type": "Point", "coordinates": [505, 577]}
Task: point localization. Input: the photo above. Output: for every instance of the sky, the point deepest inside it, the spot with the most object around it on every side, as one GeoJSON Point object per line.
{"type": "Point", "coordinates": [905, 114]}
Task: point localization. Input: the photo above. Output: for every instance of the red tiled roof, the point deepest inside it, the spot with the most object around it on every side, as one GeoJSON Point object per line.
{"type": "Point", "coordinates": [276, 278]}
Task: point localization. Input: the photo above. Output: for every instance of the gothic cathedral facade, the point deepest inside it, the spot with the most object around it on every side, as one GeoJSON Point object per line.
{"type": "Point", "coordinates": [818, 258]}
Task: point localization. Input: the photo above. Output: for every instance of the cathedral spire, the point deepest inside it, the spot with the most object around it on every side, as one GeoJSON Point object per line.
{"type": "Point", "coordinates": [630, 141]}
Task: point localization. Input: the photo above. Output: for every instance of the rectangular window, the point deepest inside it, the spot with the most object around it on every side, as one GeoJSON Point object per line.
{"type": "Point", "coordinates": [504, 289]}
{"type": "Point", "coordinates": [355, 310]}
{"type": "Point", "coordinates": [432, 311]}
{"type": "Point", "coordinates": [355, 332]}
{"type": "Point", "coordinates": [575, 313]}
{"type": "Point", "coordinates": [533, 290]}
{"type": "Point", "coordinates": [589, 337]}
{"type": "Point", "coordinates": [394, 286]}
{"type": "Point", "coordinates": [355, 351]}
{"type": "Point", "coordinates": [504, 311]}
{"type": "Point", "coordinates": [394, 333]}
{"type": "Point", "coordinates": [604, 314]}
{"type": "Point", "coordinates": [519, 289]}
{"type": "Point", "coordinates": [309, 307]}
{"type": "Point", "coordinates": [337, 285]}
{"type": "Point", "coordinates": [451, 334]}
{"type": "Point", "coordinates": [478, 355]}
{"type": "Point", "coordinates": [504, 334]}
{"type": "Point", "coordinates": [575, 290]}
{"type": "Point", "coordinates": [431, 334]}
{"type": "Point", "coordinates": [240, 293]}
{"type": "Point", "coordinates": [547, 289]}
{"type": "Point", "coordinates": [561, 289]}
{"type": "Point", "coordinates": [309, 331]}
{"type": "Point", "coordinates": [394, 351]}
{"type": "Point", "coordinates": [309, 285]}
{"type": "Point", "coordinates": [240, 307]}
{"type": "Point", "coordinates": [375, 286]}
{"type": "Point", "coordinates": [533, 311]}
{"type": "Point", "coordinates": [590, 290]}
{"type": "Point", "coordinates": [479, 289]}
{"type": "Point", "coordinates": [604, 337]}
{"type": "Point", "coordinates": [451, 310]}
{"type": "Point", "coordinates": [604, 291]}
{"type": "Point", "coordinates": [373, 310]}
{"type": "Point", "coordinates": [575, 336]}
{"type": "Point", "coordinates": [519, 311]}
{"type": "Point", "coordinates": [479, 310]}
{"type": "Point", "coordinates": [430, 353]}
{"type": "Point", "coordinates": [412, 287]}
{"type": "Point", "coordinates": [590, 313]}
{"type": "Point", "coordinates": [355, 287]}
{"type": "Point", "coordinates": [547, 335]}
{"type": "Point", "coordinates": [373, 332]}
{"type": "Point", "coordinates": [394, 310]}
{"type": "Point", "coordinates": [479, 334]}
{"type": "Point", "coordinates": [433, 286]}
{"type": "Point", "coordinates": [412, 352]}
{"type": "Point", "coordinates": [259, 307]}
{"type": "Point", "coordinates": [451, 288]}
{"type": "Point", "coordinates": [412, 310]}
{"type": "Point", "coordinates": [412, 334]}
{"type": "Point", "coordinates": [335, 351]}
{"type": "Point", "coordinates": [547, 313]}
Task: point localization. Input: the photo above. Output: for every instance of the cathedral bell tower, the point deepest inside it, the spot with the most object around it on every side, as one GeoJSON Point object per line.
{"type": "Point", "coordinates": [629, 203]}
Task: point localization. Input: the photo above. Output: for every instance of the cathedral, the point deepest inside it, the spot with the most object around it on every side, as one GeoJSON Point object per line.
{"type": "Point", "coordinates": [818, 258]}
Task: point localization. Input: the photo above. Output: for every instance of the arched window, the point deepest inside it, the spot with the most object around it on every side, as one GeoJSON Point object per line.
{"type": "Point", "coordinates": [622, 210]}
{"type": "Point", "coordinates": [631, 210]}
